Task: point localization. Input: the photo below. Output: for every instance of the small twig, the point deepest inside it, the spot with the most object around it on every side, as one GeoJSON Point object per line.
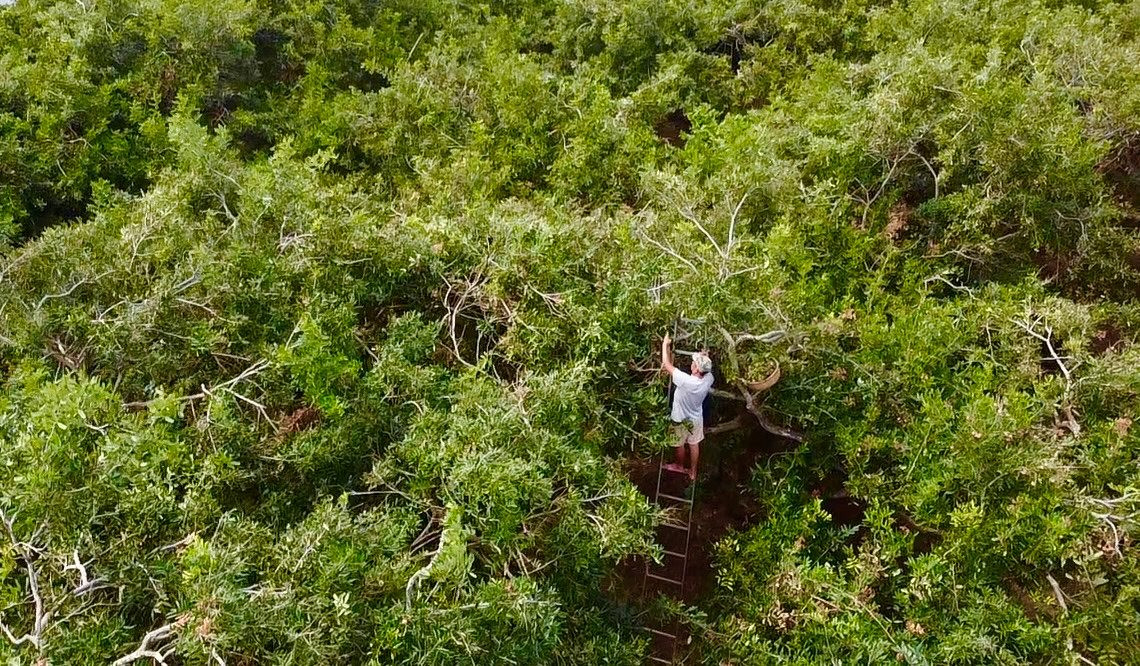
{"type": "Point", "coordinates": [670, 252]}
{"type": "Point", "coordinates": [688, 215]}
{"type": "Point", "coordinates": [392, 491]}
{"type": "Point", "coordinates": [196, 304]}
{"type": "Point", "coordinates": [256, 405]}
{"type": "Point", "coordinates": [655, 291]}
{"type": "Point", "coordinates": [425, 536]}
{"type": "Point", "coordinates": [599, 498]}
{"type": "Point", "coordinates": [184, 541]}
{"type": "Point", "coordinates": [1107, 518]}
{"type": "Point", "coordinates": [1108, 503]}
{"type": "Point", "coordinates": [931, 168]}
{"type": "Point", "coordinates": [69, 290]}
{"type": "Point", "coordinates": [942, 279]}
{"type": "Point", "coordinates": [182, 286]}
{"type": "Point", "coordinates": [767, 338]}
{"type": "Point", "coordinates": [206, 392]}
{"type": "Point", "coordinates": [1057, 592]}
{"type": "Point", "coordinates": [453, 315]}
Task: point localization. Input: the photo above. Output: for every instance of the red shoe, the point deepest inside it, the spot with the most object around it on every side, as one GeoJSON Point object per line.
{"type": "Point", "coordinates": [674, 467]}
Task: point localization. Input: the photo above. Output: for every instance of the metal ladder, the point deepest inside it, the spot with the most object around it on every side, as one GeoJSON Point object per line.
{"type": "Point", "coordinates": [678, 584]}
{"type": "Point", "coordinates": [674, 583]}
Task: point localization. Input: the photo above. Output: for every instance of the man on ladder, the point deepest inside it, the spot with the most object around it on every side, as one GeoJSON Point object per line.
{"type": "Point", "coordinates": [688, 400]}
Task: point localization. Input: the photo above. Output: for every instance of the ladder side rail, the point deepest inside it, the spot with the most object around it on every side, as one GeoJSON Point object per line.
{"type": "Point", "coordinates": [688, 538]}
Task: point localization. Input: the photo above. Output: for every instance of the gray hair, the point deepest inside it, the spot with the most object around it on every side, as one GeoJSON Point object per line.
{"type": "Point", "coordinates": [704, 363]}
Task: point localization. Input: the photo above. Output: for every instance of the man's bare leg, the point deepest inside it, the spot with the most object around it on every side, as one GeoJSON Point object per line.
{"type": "Point", "coordinates": [679, 457]}
{"type": "Point", "coordinates": [695, 454]}
{"type": "Point", "coordinates": [679, 450]}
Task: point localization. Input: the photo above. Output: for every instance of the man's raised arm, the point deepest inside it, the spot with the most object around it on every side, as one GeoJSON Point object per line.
{"type": "Point", "coordinates": [667, 355]}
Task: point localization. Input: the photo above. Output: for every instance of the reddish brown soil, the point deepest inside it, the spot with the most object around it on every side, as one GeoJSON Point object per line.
{"type": "Point", "coordinates": [924, 540]}
{"type": "Point", "coordinates": [300, 419]}
{"type": "Point", "coordinates": [1051, 267]}
{"type": "Point", "coordinates": [1133, 259]}
{"type": "Point", "coordinates": [672, 127]}
{"type": "Point", "coordinates": [1107, 337]}
{"type": "Point", "coordinates": [1122, 173]}
{"type": "Point", "coordinates": [897, 220]}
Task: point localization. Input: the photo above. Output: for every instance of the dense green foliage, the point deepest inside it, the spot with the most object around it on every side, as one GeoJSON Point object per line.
{"type": "Point", "coordinates": [322, 324]}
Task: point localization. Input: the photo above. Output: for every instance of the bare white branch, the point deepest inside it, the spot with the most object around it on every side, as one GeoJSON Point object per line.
{"type": "Point", "coordinates": [732, 223]}
{"type": "Point", "coordinates": [941, 278]}
{"type": "Point", "coordinates": [145, 649]}
{"type": "Point", "coordinates": [72, 288]}
{"type": "Point", "coordinates": [27, 554]}
{"type": "Point", "coordinates": [206, 392]}
{"type": "Point", "coordinates": [1047, 339]}
{"type": "Point", "coordinates": [1057, 592]}
{"type": "Point", "coordinates": [670, 252]}
{"type": "Point", "coordinates": [688, 215]}
{"type": "Point", "coordinates": [86, 584]}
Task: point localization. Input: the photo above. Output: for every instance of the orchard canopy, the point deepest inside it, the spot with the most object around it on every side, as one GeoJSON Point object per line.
{"type": "Point", "coordinates": [328, 328]}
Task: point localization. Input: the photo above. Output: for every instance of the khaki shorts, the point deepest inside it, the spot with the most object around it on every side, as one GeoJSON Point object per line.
{"type": "Point", "coordinates": [689, 431]}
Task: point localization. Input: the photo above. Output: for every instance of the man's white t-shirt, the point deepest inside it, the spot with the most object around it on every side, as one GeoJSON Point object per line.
{"type": "Point", "coordinates": [689, 396]}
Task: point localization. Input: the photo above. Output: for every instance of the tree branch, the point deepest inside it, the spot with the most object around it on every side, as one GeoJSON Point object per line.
{"type": "Point", "coordinates": [144, 649]}
{"type": "Point", "coordinates": [765, 422]}
{"type": "Point", "coordinates": [85, 584]}
{"type": "Point", "coordinates": [688, 215]}
{"type": "Point", "coordinates": [35, 636]}
{"type": "Point", "coordinates": [425, 571]}
{"type": "Point", "coordinates": [206, 392]}
{"type": "Point", "coordinates": [72, 288]}
{"type": "Point", "coordinates": [1028, 328]}
{"type": "Point", "coordinates": [732, 222]}
{"type": "Point", "coordinates": [728, 426]}
{"type": "Point", "coordinates": [1057, 592]}
{"type": "Point", "coordinates": [670, 252]}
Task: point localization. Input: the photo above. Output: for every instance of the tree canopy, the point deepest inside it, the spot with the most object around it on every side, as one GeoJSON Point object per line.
{"type": "Point", "coordinates": [326, 326]}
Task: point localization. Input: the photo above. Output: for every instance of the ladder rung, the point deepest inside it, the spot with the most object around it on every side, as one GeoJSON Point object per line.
{"type": "Point", "coordinates": [659, 660]}
{"type": "Point", "coordinates": [676, 526]}
{"type": "Point", "coordinates": [676, 554]}
{"type": "Point", "coordinates": [666, 634]}
{"type": "Point", "coordinates": [667, 580]}
{"type": "Point", "coordinates": [675, 498]}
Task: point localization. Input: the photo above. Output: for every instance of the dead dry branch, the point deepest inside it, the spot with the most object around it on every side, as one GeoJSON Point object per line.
{"type": "Point", "coordinates": [147, 648]}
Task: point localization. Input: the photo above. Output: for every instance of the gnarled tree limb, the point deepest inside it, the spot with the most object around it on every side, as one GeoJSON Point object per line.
{"type": "Point", "coordinates": [145, 650]}
{"type": "Point", "coordinates": [765, 422]}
